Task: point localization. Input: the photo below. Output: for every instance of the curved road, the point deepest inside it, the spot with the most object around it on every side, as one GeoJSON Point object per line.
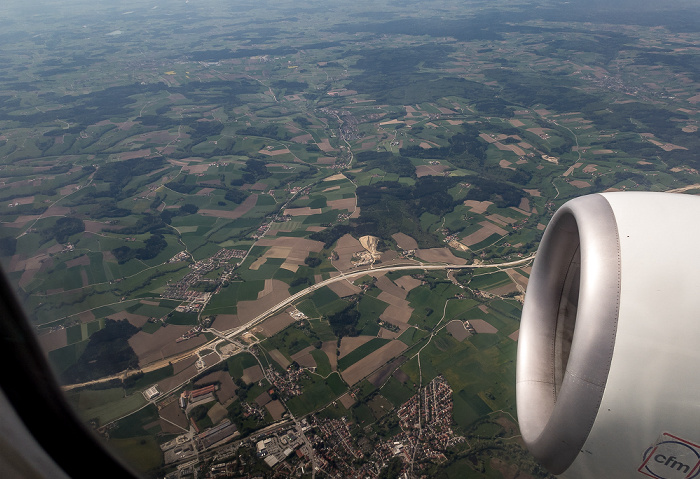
{"type": "Point", "coordinates": [231, 333]}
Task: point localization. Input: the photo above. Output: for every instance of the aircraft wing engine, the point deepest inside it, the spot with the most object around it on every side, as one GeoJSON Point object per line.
{"type": "Point", "coordinates": [609, 344]}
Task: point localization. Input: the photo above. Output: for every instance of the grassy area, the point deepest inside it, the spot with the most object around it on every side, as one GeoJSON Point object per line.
{"type": "Point", "coordinates": [396, 392]}
{"type": "Point", "coordinates": [317, 392]}
{"type": "Point", "coordinates": [239, 362]}
{"type": "Point", "coordinates": [142, 453]}
{"type": "Point", "coordinates": [323, 365]}
{"type": "Point", "coordinates": [106, 407]}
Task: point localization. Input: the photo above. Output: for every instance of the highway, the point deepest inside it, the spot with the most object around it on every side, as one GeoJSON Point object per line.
{"type": "Point", "coordinates": [231, 333]}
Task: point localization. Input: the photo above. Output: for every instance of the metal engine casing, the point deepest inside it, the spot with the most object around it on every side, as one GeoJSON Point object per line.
{"type": "Point", "coordinates": [609, 344]}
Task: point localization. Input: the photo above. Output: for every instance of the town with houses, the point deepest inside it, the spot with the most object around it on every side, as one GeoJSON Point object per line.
{"type": "Point", "coordinates": [295, 446]}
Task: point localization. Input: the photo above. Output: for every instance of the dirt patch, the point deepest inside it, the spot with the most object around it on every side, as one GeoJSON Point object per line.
{"type": "Point", "coordinates": [303, 138]}
{"type": "Point", "coordinates": [173, 414]}
{"type": "Point", "coordinates": [305, 211]}
{"type": "Point", "coordinates": [161, 344]}
{"type": "Point", "coordinates": [487, 229]}
{"type": "Point", "coordinates": [276, 409]}
{"type": "Point", "coordinates": [325, 145]}
{"type": "Point", "coordinates": [514, 336]}
{"type": "Point", "coordinates": [279, 291]}
{"type": "Point", "coordinates": [505, 289]}
{"type": "Point", "coordinates": [407, 283]}
{"type": "Point", "coordinates": [388, 286]}
{"type": "Point", "coordinates": [252, 374]}
{"type": "Point", "coordinates": [224, 322]}
{"type": "Point", "coordinates": [404, 241]}
{"type": "Point", "coordinates": [345, 248]}
{"type": "Point", "coordinates": [263, 399]}
{"type": "Point", "coordinates": [137, 320]}
{"type": "Point", "coordinates": [398, 316]}
{"type": "Point", "coordinates": [515, 149]}
{"type": "Point", "coordinates": [458, 330]}
{"type": "Point", "coordinates": [344, 288]}
{"type": "Point", "coordinates": [580, 183]}
{"type": "Point", "coordinates": [400, 375]}
{"type": "Point", "coordinates": [430, 170]}
{"type": "Point", "coordinates": [179, 378]}
{"type": "Point", "coordinates": [330, 348]}
{"type": "Point", "coordinates": [518, 278]}
{"type": "Point", "coordinates": [296, 244]}
{"type": "Point", "coordinates": [371, 362]}
{"type": "Point", "coordinates": [240, 210]}
{"type": "Point", "coordinates": [506, 164]}
{"type": "Point", "coordinates": [336, 177]}
{"type": "Point", "coordinates": [275, 324]}
{"type": "Point", "coordinates": [350, 343]}
{"type": "Point", "coordinates": [53, 340]}
{"type": "Point", "coordinates": [279, 358]}
{"type": "Point", "coordinates": [501, 220]}
{"type": "Point", "coordinates": [347, 400]}
{"type": "Point", "coordinates": [482, 327]}
{"type": "Point", "coordinates": [439, 255]}
{"type": "Point", "coordinates": [478, 207]}
{"type": "Point", "coordinates": [304, 358]}
{"type": "Point", "coordinates": [204, 191]}
{"type": "Point", "coordinates": [343, 204]}
{"type": "Point", "coordinates": [382, 374]}
{"type": "Point", "coordinates": [216, 413]}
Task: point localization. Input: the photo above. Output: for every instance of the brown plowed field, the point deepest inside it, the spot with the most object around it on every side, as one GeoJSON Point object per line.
{"type": "Point", "coordinates": [305, 211]}
{"type": "Point", "coordinates": [227, 321]}
{"type": "Point", "coordinates": [252, 374]}
{"type": "Point", "coordinates": [330, 348]}
{"type": "Point", "coordinates": [344, 288]}
{"type": "Point", "coordinates": [486, 230]}
{"type": "Point", "coordinates": [457, 330]}
{"type": "Point", "coordinates": [439, 255]}
{"type": "Point", "coordinates": [343, 204]}
{"type": "Point", "coordinates": [239, 211]}
{"type": "Point", "coordinates": [137, 320]}
{"type": "Point", "coordinates": [388, 286]}
{"type": "Point", "coordinates": [347, 400]}
{"type": "Point", "coordinates": [276, 409]}
{"type": "Point", "coordinates": [348, 343]}
{"type": "Point", "coordinates": [346, 246]}
{"type": "Point", "coordinates": [174, 414]}
{"type": "Point", "coordinates": [275, 324]}
{"type": "Point", "coordinates": [380, 376]}
{"type": "Point", "coordinates": [161, 344]}
{"type": "Point", "coordinates": [407, 282]}
{"type": "Point", "coordinates": [53, 340]}
{"type": "Point", "coordinates": [248, 310]}
{"type": "Point", "coordinates": [482, 327]}
{"type": "Point", "coordinates": [304, 358]}
{"type": "Point", "coordinates": [279, 358]}
{"type": "Point", "coordinates": [477, 207]}
{"type": "Point", "coordinates": [369, 363]}
{"type": "Point", "coordinates": [404, 241]}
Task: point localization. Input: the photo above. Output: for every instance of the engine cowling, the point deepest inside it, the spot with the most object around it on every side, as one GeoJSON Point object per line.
{"type": "Point", "coordinates": [609, 344]}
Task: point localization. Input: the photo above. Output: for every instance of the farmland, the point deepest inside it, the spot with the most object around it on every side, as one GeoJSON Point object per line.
{"type": "Point", "coordinates": [175, 187]}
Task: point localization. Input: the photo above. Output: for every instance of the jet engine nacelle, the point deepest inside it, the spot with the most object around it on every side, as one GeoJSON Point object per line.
{"type": "Point", "coordinates": [609, 345]}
